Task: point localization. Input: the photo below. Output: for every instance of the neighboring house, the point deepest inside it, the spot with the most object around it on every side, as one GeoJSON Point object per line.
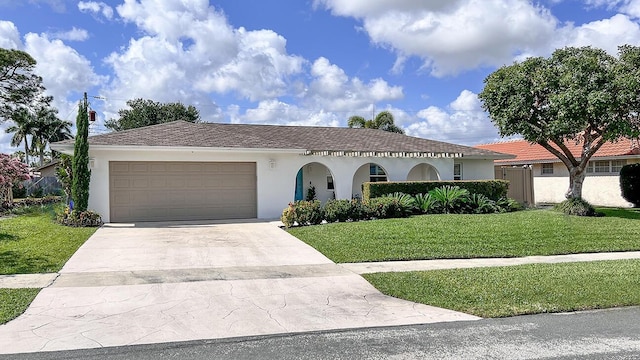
{"type": "Point", "coordinates": [187, 171]}
{"type": "Point", "coordinates": [43, 180]}
{"type": "Point", "coordinates": [551, 177]}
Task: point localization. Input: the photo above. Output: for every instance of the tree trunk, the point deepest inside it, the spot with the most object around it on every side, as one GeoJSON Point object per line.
{"type": "Point", "coordinates": [576, 179]}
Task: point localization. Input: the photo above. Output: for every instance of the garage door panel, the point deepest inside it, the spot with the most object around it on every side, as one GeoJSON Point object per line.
{"type": "Point", "coordinates": [159, 191]}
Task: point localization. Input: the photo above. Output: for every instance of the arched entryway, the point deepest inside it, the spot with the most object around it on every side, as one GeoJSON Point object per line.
{"type": "Point", "coordinates": [319, 177]}
{"type": "Point", "coordinates": [423, 172]}
{"type": "Point", "coordinates": [370, 172]}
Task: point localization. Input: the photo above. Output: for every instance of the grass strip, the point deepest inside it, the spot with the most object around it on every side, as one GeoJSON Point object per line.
{"type": "Point", "coordinates": [34, 243]}
{"type": "Point", "coordinates": [14, 302]}
{"type": "Point", "coordinates": [518, 290]}
{"type": "Point", "coordinates": [523, 233]}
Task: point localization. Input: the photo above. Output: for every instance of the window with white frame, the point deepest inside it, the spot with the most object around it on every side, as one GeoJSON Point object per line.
{"type": "Point", "coordinates": [330, 185]}
{"type": "Point", "coordinates": [547, 168]}
{"type": "Point", "coordinates": [605, 166]}
{"type": "Point", "coordinates": [457, 171]}
{"type": "Point", "coordinates": [376, 173]}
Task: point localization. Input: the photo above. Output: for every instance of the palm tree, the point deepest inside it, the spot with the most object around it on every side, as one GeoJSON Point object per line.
{"type": "Point", "coordinates": [47, 128]}
{"type": "Point", "coordinates": [21, 128]}
{"type": "Point", "coordinates": [382, 121]}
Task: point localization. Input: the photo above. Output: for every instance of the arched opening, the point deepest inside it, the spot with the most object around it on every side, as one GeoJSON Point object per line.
{"type": "Point", "coordinates": [371, 172]}
{"type": "Point", "coordinates": [423, 172]}
{"type": "Point", "coordinates": [314, 176]}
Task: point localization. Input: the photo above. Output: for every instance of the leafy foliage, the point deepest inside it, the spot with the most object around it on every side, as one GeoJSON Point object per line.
{"type": "Point", "coordinates": [425, 203]}
{"type": "Point", "coordinates": [450, 198]}
{"type": "Point", "coordinates": [75, 218]}
{"type": "Point", "coordinates": [338, 210]}
{"type": "Point", "coordinates": [64, 173]}
{"type": "Point", "coordinates": [387, 207]}
{"type": "Point", "coordinates": [303, 213]}
{"type": "Point", "coordinates": [630, 183]}
{"type": "Point", "coordinates": [480, 204]}
{"type": "Point", "coordinates": [80, 163]}
{"type": "Point", "coordinates": [147, 112]}
{"type": "Point", "coordinates": [19, 86]}
{"type": "Point", "coordinates": [383, 121]}
{"type": "Point", "coordinates": [581, 94]}
{"type": "Point", "coordinates": [576, 206]}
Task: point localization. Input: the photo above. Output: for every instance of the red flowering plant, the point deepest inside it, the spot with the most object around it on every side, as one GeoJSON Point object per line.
{"type": "Point", "coordinates": [12, 172]}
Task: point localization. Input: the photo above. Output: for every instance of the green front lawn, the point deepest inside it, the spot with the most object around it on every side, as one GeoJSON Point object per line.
{"type": "Point", "coordinates": [34, 243]}
{"type": "Point", "coordinates": [517, 290]}
{"type": "Point", "coordinates": [14, 302]}
{"type": "Point", "coordinates": [523, 233]}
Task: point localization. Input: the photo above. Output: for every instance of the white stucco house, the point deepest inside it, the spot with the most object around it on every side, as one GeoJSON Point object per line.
{"type": "Point", "coordinates": [551, 178]}
{"type": "Point", "coordinates": [187, 171]}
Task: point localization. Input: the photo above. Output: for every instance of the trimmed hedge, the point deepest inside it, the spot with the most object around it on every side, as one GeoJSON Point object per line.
{"type": "Point", "coordinates": [630, 183]}
{"type": "Point", "coordinates": [493, 189]}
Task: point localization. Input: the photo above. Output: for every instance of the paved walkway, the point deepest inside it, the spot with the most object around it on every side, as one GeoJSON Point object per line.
{"type": "Point", "coordinates": [238, 273]}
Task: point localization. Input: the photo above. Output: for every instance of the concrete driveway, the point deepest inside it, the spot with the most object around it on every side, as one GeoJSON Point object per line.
{"type": "Point", "coordinates": [162, 282]}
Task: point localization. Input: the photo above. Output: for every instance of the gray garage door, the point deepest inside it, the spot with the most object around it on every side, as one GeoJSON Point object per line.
{"type": "Point", "coordinates": [163, 191]}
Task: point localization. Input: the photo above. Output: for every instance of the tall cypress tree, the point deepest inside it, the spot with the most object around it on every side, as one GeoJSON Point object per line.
{"type": "Point", "coordinates": [80, 164]}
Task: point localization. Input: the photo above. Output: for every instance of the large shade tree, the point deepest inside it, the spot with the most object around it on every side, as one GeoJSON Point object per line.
{"type": "Point", "coordinates": [581, 95]}
{"type": "Point", "coordinates": [383, 121]}
{"type": "Point", "coordinates": [147, 112]}
{"type": "Point", "coordinates": [19, 85]}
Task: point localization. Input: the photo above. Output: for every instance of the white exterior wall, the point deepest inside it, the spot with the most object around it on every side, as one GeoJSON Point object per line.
{"type": "Point", "coordinates": [275, 185]}
{"type": "Point", "coordinates": [599, 190]}
{"type": "Point", "coordinates": [476, 169]}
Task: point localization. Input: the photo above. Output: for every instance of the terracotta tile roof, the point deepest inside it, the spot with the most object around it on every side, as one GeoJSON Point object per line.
{"type": "Point", "coordinates": [244, 136]}
{"type": "Point", "coordinates": [527, 153]}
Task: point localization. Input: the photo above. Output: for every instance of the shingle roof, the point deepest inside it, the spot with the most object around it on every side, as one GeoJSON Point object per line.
{"type": "Point", "coordinates": [527, 153]}
{"type": "Point", "coordinates": [244, 136]}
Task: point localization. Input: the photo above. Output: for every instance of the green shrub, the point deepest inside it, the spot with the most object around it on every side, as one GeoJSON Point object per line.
{"type": "Point", "coordinates": [426, 204]}
{"type": "Point", "coordinates": [288, 217]}
{"type": "Point", "coordinates": [359, 211]}
{"type": "Point", "coordinates": [630, 183]}
{"type": "Point", "coordinates": [508, 205]}
{"type": "Point", "coordinates": [481, 204]}
{"type": "Point", "coordinates": [450, 198]}
{"type": "Point", "coordinates": [308, 212]}
{"type": "Point", "coordinates": [576, 206]}
{"type": "Point", "coordinates": [19, 191]}
{"type": "Point", "coordinates": [407, 201]}
{"type": "Point", "coordinates": [303, 213]}
{"type": "Point", "coordinates": [337, 210]}
{"type": "Point", "coordinates": [74, 218]}
{"type": "Point", "coordinates": [493, 189]}
{"type": "Point", "coordinates": [387, 207]}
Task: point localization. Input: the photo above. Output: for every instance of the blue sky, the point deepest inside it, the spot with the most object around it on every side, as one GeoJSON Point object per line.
{"type": "Point", "coordinates": [302, 62]}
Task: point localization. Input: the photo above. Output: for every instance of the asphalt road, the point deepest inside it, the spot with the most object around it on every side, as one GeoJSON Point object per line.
{"type": "Point", "coordinates": [602, 334]}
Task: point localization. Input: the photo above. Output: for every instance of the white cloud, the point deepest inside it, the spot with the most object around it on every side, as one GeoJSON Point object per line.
{"type": "Point", "coordinates": [188, 51]}
{"type": "Point", "coordinates": [606, 34]}
{"type": "Point", "coordinates": [96, 8]}
{"type": "Point", "coordinates": [74, 34]}
{"type": "Point", "coordinates": [454, 36]}
{"type": "Point", "coordinates": [9, 35]}
{"type": "Point", "coordinates": [276, 112]}
{"type": "Point", "coordinates": [331, 89]}
{"type": "Point", "coordinates": [451, 36]}
{"type": "Point", "coordinates": [64, 71]}
{"type": "Point", "coordinates": [462, 122]}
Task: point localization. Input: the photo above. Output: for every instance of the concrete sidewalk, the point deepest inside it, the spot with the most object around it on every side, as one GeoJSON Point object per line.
{"type": "Point", "coordinates": [230, 273]}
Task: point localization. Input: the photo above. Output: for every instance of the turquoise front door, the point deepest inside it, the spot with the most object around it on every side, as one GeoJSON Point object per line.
{"type": "Point", "coordinates": [299, 186]}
